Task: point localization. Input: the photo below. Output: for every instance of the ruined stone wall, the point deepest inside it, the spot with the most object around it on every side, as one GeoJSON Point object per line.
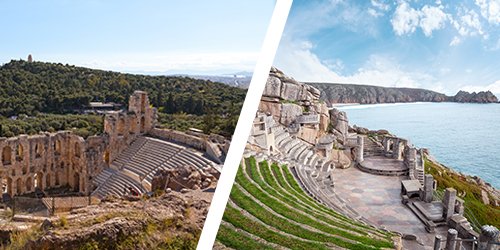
{"type": "Point", "coordinates": [51, 160]}
{"type": "Point", "coordinates": [42, 161]}
{"type": "Point", "coordinates": [179, 137]}
{"type": "Point", "coordinates": [124, 127]}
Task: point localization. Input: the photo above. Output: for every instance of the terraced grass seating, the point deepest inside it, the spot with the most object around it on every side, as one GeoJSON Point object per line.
{"type": "Point", "coordinates": [268, 204]}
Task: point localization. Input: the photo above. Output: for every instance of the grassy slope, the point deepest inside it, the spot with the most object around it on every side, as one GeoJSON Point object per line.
{"type": "Point", "coordinates": [277, 189]}
{"type": "Point", "coordinates": [483, 214]}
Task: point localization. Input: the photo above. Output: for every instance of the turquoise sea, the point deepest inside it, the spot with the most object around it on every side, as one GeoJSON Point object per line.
{"type": "Point", "coordinates": [465, 137]}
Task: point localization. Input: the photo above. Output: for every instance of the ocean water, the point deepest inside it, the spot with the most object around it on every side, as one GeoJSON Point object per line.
{"type": "Point", "coordinates": [465, 137]}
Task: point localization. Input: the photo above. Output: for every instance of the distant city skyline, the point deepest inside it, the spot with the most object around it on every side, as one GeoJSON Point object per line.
{"type": "Point", "coordinates": [160, 37]}
{"type": "Point", "coordinates": [439, 45]}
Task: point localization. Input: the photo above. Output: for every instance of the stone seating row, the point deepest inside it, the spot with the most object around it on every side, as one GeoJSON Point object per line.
{"type": "Point", "coordinates": [118, 184]}
{"type": "Point", "coordinates": [140, 163]}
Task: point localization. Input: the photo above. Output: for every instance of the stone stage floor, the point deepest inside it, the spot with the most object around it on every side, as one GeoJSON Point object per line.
{"type": "Point", "coordinates": [383, 163]}
{"type": "Point", "coordinates": [378, 199]}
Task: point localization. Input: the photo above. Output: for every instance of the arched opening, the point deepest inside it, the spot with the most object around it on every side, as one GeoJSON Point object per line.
{"type": "Point", "coordinates": [271, 148]}
{"type": "Point", "coordinates": [121, 126]}
{"type": "Point", "coordinates": [76, 182]}
{"type": "Point", "coordinates": [143, 124]}
{"type": "Point", "coordinates": [414, 195]}
{"type": "Point", "coordinates": [57, 147]}
{"type": "Point", "coordinates": [106, 157]}
{"type": "Point", "coordinates": [143, 103]}
{"type": "Point", "coordinates": [48, 182]}
{"type": "Point", "coordinates": [29, 184]}
{"type": "Point", "coordinates": [57, 179]}
{"type": "Point", "coordinates": [8, 186]}
{"type": "Point", "coordinates": [77, 150]}
{"type": "Point", "coordinates": [6, 155]}
{"type": "Point", "coordinates": [19, 186]}
{"type": "Point", "coordinates": [133, 126]}
{"type": "Point", "coordinates": [38, 150]}
{"type": "Point", "coordinates": [39, 180]}
{"type": "Point", "coordinates": [19, 152]}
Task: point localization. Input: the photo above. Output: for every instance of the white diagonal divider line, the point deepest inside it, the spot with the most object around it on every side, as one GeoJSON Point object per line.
{"type": "Point", "coordinates": [242, 131]}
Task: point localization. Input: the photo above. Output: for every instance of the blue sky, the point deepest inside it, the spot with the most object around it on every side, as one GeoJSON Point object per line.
{"type": "Point", "coordinates": [196, 36]}
{"type": "Point", "coordinates": [439, 45]}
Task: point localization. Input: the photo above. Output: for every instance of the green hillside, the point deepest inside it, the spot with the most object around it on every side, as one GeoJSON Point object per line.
{"type": "Point", "coordinates": [38, 87]}
{"type": "Point", "coordinates": [268, 208]}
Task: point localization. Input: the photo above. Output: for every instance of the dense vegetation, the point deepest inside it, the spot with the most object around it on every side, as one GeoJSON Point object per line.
{"type": "Point", "coordinates": [476, 212]}
{"type": "Point", "coordinates": [37, 87]}
{"type": "Point", "coordinates": [83, 125]}
{"type": "Point", "coordinates": [268, 204]}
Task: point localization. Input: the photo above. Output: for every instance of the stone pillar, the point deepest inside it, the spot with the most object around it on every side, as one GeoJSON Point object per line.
{"type": "Point", "coordinates": [437, 242]}
{"type": "Point", "coordinates": [458, 246]}
{"type": "Point", "coordinates": [450, 196]}
{"type": "Point", "coordinates": [360, 151]}
{"type": "Point", "coordinates": [428, 187]}
{"type": "Point", "coordinates": [451, 239]}
{"type": "Point", "coordinates": [489, 234]}
{"type": "Point", "coordinates": [459, 206]}
{"type": "Point", "coordinates": [385, 143]}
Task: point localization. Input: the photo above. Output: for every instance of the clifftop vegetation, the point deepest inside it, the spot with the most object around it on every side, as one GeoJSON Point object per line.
{"type": "Point", "coordinates": [30, 88]}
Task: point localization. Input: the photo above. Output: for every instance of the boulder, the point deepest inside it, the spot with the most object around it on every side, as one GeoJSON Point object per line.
{"type": "Point", "coordinates": [339, 122]}
{"type": "Point", "coordinates": [289, 112]}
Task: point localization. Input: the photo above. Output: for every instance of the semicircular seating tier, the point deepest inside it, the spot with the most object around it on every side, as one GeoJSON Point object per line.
{"type": "Point", "coordinates": [136, 166]}
{"type": "Point", "coordinates": [312, 171]}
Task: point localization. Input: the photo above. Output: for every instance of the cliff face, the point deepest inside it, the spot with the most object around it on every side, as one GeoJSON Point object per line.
{"type": "Point", "coordinates": [365, 94]}
{"type": "Point", "coordinates": [288, 100]}
{"type": "Point", "coordinates": [480, 97]}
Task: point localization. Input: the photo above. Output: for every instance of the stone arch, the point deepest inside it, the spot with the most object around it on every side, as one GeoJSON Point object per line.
{"type": "Point", "coordinates": [48, 182]}
{"type": "Point", "coordinates": [76, 182]}
{"type": "Point", "coordinates": [133, 126]}
{"type": "Point", "coordinates": [19, 186]}
{"type": "Point", "coordinates": [19, 152]}
{"type": "Point", "coordinates": [57, 147]}
{"type": "Point", "coordinates": [39, 180]}
{"type": "Point", "coordinates": [58, 181]}
{"type": "Point", "coordinates": [8, 186]}
{"type": "Point", "coordinates": [77, 150]}
{"type": "Point", "coordinates": [38, 150]}
{"type": "Point", "coordinates": [106, 157]}
{"type": "Point", "coordinates": [29, 184]}
{"type": "Point", "coordinates": [121, 126]}
{"type": "Point", "coordinates": [143, 124]}
{"type": "Point", "coordinates": [6, 155]}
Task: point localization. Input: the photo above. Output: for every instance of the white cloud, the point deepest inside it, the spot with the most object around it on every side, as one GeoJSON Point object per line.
{"type": "Point", "coordinates": [490, 10]}
{"type": "Point", "coordinates": [407, 19]}
{"type": "Point", "coordinates": [301, 63]}
{"type": "Point", "coordinates": [456, 41]}
{"type": "Point", "coordinates": [381, 5]}
{"type": "Point", "coordinates": [375, 13]}
{"type": "Point", "coordinates": [433, 18]}
{"type": "Point", "coordinates": [494, 88]}
{"type": "Point", "coordinates": [467, 23]}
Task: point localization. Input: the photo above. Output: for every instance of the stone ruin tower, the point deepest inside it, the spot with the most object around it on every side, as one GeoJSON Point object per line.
{"type": "Point", "coordinates": [30, 58]}
{"type": "Point", "coordinates": [124, 126]}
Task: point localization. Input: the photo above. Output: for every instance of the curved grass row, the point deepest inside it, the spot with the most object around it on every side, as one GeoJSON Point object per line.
{"type": "Point", "coordinates": [273, 188]}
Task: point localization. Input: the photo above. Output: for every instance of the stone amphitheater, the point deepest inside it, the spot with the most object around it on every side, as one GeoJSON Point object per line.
{"type": "Point", "coordinates": [310, 181]}
{"type": "Point", "coordinates": [122, 160]}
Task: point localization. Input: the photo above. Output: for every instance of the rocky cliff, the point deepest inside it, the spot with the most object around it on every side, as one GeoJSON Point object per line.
{"type": "Point", "coordinates": [480, 97]}
{"type": "Point", "coordinates": [287, 99]}
{"type": "Point", "coordinates": [366, 94]}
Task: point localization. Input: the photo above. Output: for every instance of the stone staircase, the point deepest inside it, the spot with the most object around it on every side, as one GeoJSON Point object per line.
{"type": "Point", "coordinates": [371, 148]}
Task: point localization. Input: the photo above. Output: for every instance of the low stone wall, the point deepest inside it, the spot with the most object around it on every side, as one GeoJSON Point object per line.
{"type": "Point", "coordinates": [179, 137]}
